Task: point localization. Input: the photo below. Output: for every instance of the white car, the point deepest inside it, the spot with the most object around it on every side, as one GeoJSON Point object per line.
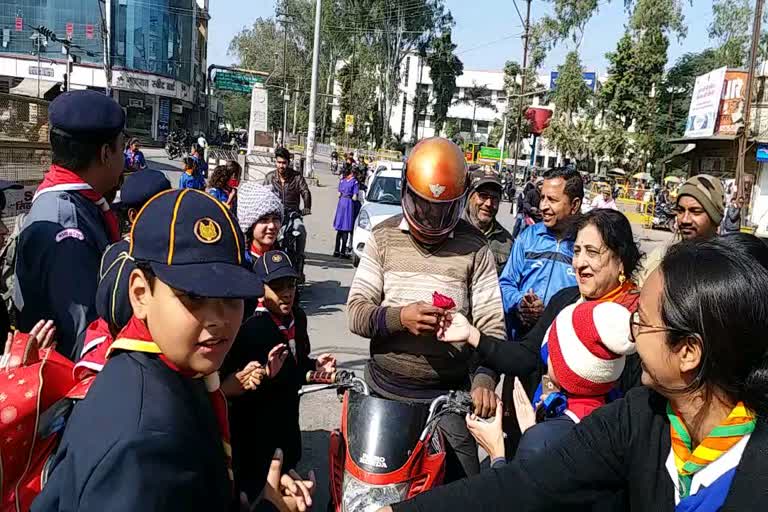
{"type": "Point", "coordinates": [381, 202]}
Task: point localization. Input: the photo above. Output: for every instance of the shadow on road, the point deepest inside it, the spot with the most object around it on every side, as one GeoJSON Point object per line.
{"type": "Point", "coordinates": [158, 166]}
{"type": "Point", "coordinates": [315, 259]}
{"type": "Point", "coordinates": [323, 297]}
{"type": "Point", "coordinates": [315, 453]}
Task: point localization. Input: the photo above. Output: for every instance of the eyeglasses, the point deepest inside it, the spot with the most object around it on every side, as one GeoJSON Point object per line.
{"type": "Point", "coordinates": [634, 322]}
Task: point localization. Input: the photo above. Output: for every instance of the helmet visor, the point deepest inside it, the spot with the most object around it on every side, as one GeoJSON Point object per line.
{"type": "Point", "coordinates": [431, 218]}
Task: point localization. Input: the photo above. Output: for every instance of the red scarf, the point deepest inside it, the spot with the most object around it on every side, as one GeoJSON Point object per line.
{"type": "Point", "coordinates": [582, 406]}
{"type": "Point", "coordinates": [98, 339]}
{"type": "Point", "coordinates": [625, 294]}
{"type": "Point", "coordinates": [285, 324]}
{"type": "Point", "coordinates": [60, 179]}
{"type": "Point", "coordinates": [136, 337]}
{"type": "Point", "coordinates": [256, 251]}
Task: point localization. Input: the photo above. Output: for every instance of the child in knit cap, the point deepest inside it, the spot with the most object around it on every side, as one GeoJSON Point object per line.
{"type": "Point", "coordinates": [260, 214]}
{"type": "Point", "coordinates": [587, 344]}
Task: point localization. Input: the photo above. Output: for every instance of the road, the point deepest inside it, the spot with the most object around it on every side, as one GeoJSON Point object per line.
{"type": "Point", "coordinates": [324, 299]}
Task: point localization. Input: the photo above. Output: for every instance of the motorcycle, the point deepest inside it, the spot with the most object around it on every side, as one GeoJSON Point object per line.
{"type": "Point", "coordinates": [334, 165]}
{"type": "Point", "coordinates": [385, 451]}
{"type": "Point", "coordinates": [664, 217]}
{"type": "Point", "coordinates": [288, 241]}
{"type": "Point", "coordinates": [176, 144]}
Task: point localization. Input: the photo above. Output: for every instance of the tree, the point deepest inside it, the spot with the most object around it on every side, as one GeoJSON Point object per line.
{"type": "Point", "coordinates": [570, 95]}
{"type": "Point", "coordinates": [237, 109]}
{"type": "Point", "coordinates": [444, 67]}
{"type": "Point", "coordinates": [730, 27]}
{"type": "Point", "coordinates": [477, 96]}
{"type": "Point", "coordinates": [452, 128]}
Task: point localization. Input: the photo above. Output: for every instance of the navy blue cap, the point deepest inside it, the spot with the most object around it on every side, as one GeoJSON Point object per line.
{"type": "Point", "coordinates": [274, 265]}
{"type": "Point", "coordinates": [193, 244]}
{"type": "Point", "coordinates": [140, 186]}
{"type": "Point", "coordinates": [86, 115]}
{"type": "Point", "coordinates": [112, 302]}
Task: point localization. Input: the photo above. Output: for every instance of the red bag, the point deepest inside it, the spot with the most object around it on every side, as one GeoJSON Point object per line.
{"type": "Point", "coordinates": [36, 394]}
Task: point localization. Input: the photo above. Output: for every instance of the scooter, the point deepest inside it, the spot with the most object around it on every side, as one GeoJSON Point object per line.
{"type": "Point", "coordinates": [385, 451]}
{"type": "Point", "coordinates": [664, 217]}
{"type": "Point", "coordinates": [288, 241]}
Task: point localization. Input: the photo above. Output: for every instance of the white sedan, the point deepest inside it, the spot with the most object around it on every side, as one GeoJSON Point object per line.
{"type": "Point", "coordinates": [381, 203]}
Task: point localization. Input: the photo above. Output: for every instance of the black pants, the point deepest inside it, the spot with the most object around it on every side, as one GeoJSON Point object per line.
{"type": "Point", "coordinates": [341, 242]}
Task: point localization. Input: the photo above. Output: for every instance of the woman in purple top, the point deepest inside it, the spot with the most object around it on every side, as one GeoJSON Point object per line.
{"type": "Point", "coordinates": [344, 221]}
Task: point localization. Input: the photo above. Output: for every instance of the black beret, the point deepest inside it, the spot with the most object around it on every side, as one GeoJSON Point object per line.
{"type": "Point", "coordinates": [86, 115]}
{"type": "Point", "coordinates": [140, 186]}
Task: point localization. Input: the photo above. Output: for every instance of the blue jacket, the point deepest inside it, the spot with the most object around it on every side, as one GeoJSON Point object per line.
{"type": "Point", "coordinates": [194, 180]}
{"type": "Point", "coordinates": [539, 262]}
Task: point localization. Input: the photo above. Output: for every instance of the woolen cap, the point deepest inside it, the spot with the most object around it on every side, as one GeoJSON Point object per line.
{"type": "Point", "coordinates": [193, 244]}
{"type": "Point", "coordinates": [708, 191]}
{"type": "Point", "coordinates": [255, 202]}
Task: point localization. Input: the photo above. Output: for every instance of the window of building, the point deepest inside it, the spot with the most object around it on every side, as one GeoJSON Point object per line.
{"type": "Point", "coordinates": [482, 127]}
{"type": "Point", "coordinates": [466, 125]}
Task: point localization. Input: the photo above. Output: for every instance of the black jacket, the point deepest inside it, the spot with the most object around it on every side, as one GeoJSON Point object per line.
{"type": "Point", "coordinates": [267, 418]}
{"type": "Point", "coordinates": [622, 446]}
{"type": "Point", "coordinates": [292, 192]}
{"type": "Point", "coordinates": [732, 219]}
{"type": "Point", "coordinates": [144, 438]}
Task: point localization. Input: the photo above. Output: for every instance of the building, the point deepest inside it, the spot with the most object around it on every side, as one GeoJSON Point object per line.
{"type": "Point", "coordinates": [158, 59]}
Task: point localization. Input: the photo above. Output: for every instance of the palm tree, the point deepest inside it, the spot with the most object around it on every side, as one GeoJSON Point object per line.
{"type": "Point", "coordinates": [477, 96]}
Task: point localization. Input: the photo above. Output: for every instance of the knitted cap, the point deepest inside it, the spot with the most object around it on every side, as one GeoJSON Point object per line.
{"type": "Point", "coordinates": [255, 202]}
{"type": "Point", "coordinates": [708, 191]}
{"type": "Point", "coordinates": [587, 343]}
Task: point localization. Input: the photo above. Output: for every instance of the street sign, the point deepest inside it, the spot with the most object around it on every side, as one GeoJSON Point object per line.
{"type": "Point", "coordinates": [590, 79]}
{"type": "Point", "coordinates": [349, 123]}
{"type": "Point", "coordinates": [489, 153]}
{"type": "Point", "coordinates": [236, 81]}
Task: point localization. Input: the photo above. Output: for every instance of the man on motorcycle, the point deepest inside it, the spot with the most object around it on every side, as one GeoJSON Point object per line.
{"type": "Point", "coordinates": [291, 187]}
{"type": "Point", "coordinates": [428, 249]}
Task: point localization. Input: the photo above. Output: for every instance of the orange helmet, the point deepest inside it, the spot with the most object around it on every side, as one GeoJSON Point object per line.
{"type": "Point", "coordinates": [435, 187]}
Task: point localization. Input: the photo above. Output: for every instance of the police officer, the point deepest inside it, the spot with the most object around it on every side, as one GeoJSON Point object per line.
{"type": "Point", "coordinates": [70, 222]}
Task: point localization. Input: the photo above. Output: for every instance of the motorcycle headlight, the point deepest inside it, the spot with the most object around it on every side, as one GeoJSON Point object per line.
{"type": "Point", "coordinates": [364, 220]}
{"type": "Point", "coordinates": [359, 496]}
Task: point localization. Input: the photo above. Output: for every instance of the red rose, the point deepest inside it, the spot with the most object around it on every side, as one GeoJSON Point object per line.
{"type": "Point", "coordinates": [441, 301]}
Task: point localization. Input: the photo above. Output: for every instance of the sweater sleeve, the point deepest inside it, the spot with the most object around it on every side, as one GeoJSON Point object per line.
{"type": "Point", "coordinates": [366, 316]}
{"type": "Point", "coordinates": [587, 465]}
{"type": "Point", "coordinates": [487, 309]}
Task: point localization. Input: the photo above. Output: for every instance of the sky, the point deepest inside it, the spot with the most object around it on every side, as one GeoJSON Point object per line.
{"type": "Point", "coordinates": [488, 32]}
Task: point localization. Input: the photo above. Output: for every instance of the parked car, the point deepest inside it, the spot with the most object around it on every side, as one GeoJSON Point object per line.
{"type": "Point", "coordinates": [381, 203]}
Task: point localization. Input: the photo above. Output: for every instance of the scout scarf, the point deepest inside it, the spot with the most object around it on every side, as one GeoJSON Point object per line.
{"type": "Point", "coordinates": [625, 294]}
{"type": "Point", "coordinates": [135, 337]}
{"type": "Point", "coordinates": [59, 179]}
{"type": "Point", "coordinates": [256, 251]}
{"type": "Point", "coordinates": [286, 325]}
{"type": "Point", "coordinates": [688, 462]}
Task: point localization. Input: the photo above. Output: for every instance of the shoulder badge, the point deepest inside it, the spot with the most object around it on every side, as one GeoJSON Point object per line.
{"type": "Point", "coordinates": [69, 233]}
{"type": "Point", "coordinates": [207, 230]}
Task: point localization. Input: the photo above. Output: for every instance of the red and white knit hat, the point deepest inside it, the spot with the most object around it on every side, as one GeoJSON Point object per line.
{"type": "Point", "coordinates": [587, 343]}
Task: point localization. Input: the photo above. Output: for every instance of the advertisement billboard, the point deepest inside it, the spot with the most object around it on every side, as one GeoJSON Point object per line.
{"type": "Point", "coordinates": [590, 79]}
{"type": "Point", "coordinates": [705, 103]}
{"type": "Point", "coordinates": [731, 117]}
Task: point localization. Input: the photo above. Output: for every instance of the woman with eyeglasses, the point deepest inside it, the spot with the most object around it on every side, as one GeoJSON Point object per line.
{"type": "Point", "coordinates": [692, 439]}
{"type": "Point", "coordinates": [605, 261]}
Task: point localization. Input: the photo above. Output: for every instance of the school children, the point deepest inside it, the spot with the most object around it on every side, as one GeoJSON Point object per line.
{"type": "Point", "coordinates": [192, 176]}
{"type": "Point", "coordinates": [152, 432]}
{"type": "Point", "coordinates": [277, 328]}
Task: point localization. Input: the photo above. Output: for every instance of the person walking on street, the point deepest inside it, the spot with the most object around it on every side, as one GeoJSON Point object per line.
{"type": "Point", "coordinates": [70, 222]}
{"type": "Point", "coordinates": [198, 156]}
{"type": "Point", "coordinates": [732, 218]}
{"type": "Point", "coordinates": [134, 158]}
{"type": "Point", "coordinates": [191, 177]}
{"type": "Point", "coordinates": [699, 207]}
{"type": "Point", "coordinates": [291, 188]}
{"type": "Point", "coordinates": [426, 252]}
{"type": "Point", "coordinates": [344, 221]}
{"type": "Point", "coordinates": [485, 194]}
{"type": "Point", "coordinates": [520, 217]}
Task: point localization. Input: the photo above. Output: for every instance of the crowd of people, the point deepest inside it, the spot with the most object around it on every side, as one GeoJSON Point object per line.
{"type": "Point", "coordinates": [630, 381]}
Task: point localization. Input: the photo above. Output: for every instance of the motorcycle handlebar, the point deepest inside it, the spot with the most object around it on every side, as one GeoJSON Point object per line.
{"type": "Point", "coordinates": [341, 379]}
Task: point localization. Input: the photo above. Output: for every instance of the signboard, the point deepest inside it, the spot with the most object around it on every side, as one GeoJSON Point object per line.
{"type": "Point", "coordinates": [762, 153]}
{"type": "Point", "coordinates": [19, 201]}
{"type": "Point", "coordinates": [349, 123]}
{"type": "Point", "coordinates": [40, 71]}
{"type": "Point", "coordinates": [151, 84]}
{"type": "Point", "coordinates": [236, 81]}
{"type": "Point", "coordinates": [89, 31]}
{"type": "Point", "coordinates": [731, 116]}
{"type": "Point", "coordinates": [19, 24]}
{"type": "Point", "coordinates": [538, 119]}
{"type": "Point", "coordinates": [489, 153]}
{"type": "Point", "coordinates": [70, 30]}
{"type": "Point", "coordinates": [163, 118]}
{"type": "Point", "coordinates": [705, 103]}
{"type": "Point", "coordinates": [590, 79]}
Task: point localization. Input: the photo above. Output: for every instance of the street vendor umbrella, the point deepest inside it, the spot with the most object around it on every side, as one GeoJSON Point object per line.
{"type": "Point", "coordinates": [672, 179]}
{"type": "Point", "coordinates": [642, 176]}
{"type": "Point", "coordinates": [617, 170]}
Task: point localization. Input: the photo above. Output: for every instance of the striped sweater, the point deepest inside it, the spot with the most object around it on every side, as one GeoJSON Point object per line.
{"type": "Point", "coordinates": [395, 271]}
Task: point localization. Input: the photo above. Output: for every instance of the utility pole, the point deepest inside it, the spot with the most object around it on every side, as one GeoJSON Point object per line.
{"type": "Point", "coordinates": [286, 96]}
{"type": "Point", "coordinates": [107, 50]}
{"type": "Point", "coordinates": [296, 103]}
{"type": "Point", "coordinates": [744, 137]}
{"type": "Point", "coordinates": [503, 142]}
{"type": "Point", "coordinates": [526, 38]}
{"type": "Point", "coordinates": [309, 162]}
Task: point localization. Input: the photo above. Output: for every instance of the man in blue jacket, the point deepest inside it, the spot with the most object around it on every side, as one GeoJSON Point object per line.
{"type": "Point", "coordinates": [540, 263]}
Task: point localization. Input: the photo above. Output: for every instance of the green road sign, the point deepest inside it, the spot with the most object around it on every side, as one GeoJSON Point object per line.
{"type": "Point", "coordinates": [236, 81]}
{"type": "Point", "coordinates": [490, 153]}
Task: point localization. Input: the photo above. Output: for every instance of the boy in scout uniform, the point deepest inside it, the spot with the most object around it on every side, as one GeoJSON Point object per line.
{"type": "Point", "coordinates": [70, 222]}
{"type": "Point", "coordinates": [152, 432]}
